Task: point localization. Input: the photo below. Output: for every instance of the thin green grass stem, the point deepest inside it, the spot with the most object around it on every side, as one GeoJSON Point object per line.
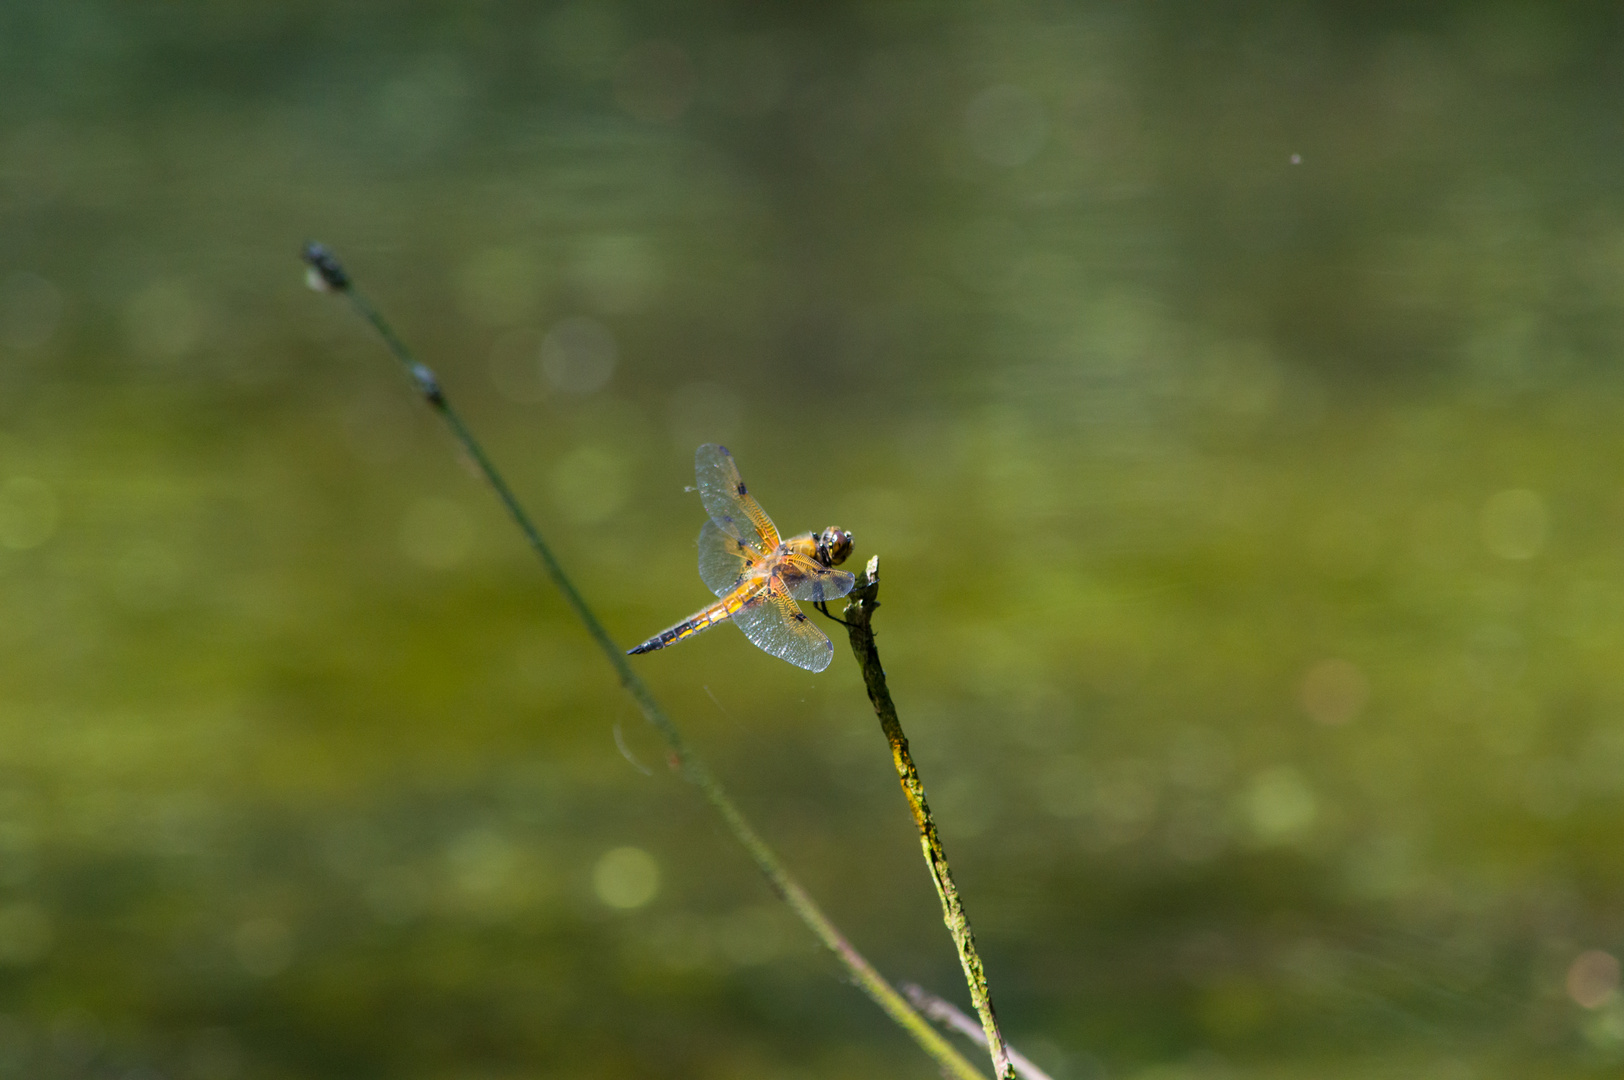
{"type": "Point", "coordinates": [326, 274]}
{"type": "Point", "coordinates": [860, 605]}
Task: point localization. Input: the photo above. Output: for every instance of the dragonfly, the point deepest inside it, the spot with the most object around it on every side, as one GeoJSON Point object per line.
{"type": "Point", "coordinates": [757, 577]}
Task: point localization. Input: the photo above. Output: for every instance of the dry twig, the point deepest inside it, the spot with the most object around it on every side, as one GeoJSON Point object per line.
{"type": "Point", "coordinates": [860, 605]}
{"type": "Point", "coordinates": [949, 1015]}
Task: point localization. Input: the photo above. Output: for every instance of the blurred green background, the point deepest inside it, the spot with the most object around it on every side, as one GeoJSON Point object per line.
{"type": "Point", "coordinates": [1231, 392]}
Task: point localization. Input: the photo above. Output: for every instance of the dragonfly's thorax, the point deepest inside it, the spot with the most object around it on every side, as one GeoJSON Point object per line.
{"type": "Point", "coordinates": [804, 544]}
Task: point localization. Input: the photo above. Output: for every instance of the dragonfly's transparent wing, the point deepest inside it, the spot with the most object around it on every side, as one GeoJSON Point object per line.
{"type": "Point", "coordinates": [775, 624]}
{"type": "Point", "coordinates": [723, 559]}
{"type": "Point", "coordinates": [809, 580]}
{"type": "Point", "coordinates": [727, 502]}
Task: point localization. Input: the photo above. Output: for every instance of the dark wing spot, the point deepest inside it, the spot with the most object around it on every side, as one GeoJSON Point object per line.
{"type": "Point", "coordinates": [741, 487]}
{"type": "Point", "coordinates": [800, 616]}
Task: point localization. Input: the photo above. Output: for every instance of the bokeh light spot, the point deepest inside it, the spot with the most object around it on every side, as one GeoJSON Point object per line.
{"type": "Point", "coordinates": [1334, 692]}
{"type": "Point", "coordinates": [1593, 978]}
{"type": "Point", "coordinates": [1280, 805]}
{"type": "Point", "coordinates": [578, 355]}
{"type": "Point", "coordinates": [1514, 524]}
{"type": "Point", "coordinates": [1604, 1028]}
{"type": "Point", "coordinates": [626, 878]}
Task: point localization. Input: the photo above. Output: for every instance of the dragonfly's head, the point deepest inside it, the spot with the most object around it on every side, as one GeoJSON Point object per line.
{"type": "Point", "coordinates": [834, 544]}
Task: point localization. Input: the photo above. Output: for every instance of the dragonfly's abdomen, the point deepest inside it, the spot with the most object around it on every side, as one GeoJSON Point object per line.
{"type": "Point", "coordinates": [693, 624]}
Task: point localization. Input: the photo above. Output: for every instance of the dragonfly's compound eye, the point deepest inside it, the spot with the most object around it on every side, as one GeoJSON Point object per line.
{"type": "Point", "coordinates": [835, 544]}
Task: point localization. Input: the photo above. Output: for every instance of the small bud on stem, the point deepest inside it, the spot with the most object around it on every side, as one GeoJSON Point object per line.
{"type": "Point", "coordinates": [325, 274]}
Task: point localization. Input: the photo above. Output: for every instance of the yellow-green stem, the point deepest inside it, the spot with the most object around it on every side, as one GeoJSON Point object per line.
{"type": "Point", "coordinates": [327, 274]}
{"type": "Point", "coordinates": [860, 605]}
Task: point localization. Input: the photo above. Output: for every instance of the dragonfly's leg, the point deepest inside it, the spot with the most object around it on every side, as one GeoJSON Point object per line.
{"type": "Point", "coordinates": [823, 606]}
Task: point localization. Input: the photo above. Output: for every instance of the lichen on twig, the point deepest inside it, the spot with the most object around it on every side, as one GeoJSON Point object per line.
{"type": "Point", "coordinates": [859, 615]}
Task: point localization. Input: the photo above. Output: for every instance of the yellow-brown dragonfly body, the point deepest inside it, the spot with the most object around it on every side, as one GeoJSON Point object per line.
{"type": "Point", "coordinates": [757, 576]}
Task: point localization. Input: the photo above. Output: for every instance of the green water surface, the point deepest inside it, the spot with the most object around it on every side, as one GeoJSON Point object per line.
{"type": "Point", "coordinates": [1231, 392]}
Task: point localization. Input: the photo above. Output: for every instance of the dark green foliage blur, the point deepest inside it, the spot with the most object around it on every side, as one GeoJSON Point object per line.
{"type": "Point", "coordinates": [1232, 394]}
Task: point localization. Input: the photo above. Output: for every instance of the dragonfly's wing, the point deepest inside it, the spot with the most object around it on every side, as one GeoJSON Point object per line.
{"type": "Point", "coordinates": [809, 580]}
{"type": "Point", "coordinates": [723, 559]}
{"type": "Point", "coordinates": [775, 624]}
{"type": "Point", "coordinates": [727, 502]}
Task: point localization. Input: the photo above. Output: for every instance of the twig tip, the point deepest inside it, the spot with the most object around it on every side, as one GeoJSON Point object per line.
{"type": "Point", "coordinates": [325, 274]}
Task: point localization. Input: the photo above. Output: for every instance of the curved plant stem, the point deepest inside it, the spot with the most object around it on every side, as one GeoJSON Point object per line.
{"type": "Point", "coordinates": [860, 605]}
{"type": "Point", "coordinates": [327, 275]}
{"type": "Point", "coordinates": [948, 1015]}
